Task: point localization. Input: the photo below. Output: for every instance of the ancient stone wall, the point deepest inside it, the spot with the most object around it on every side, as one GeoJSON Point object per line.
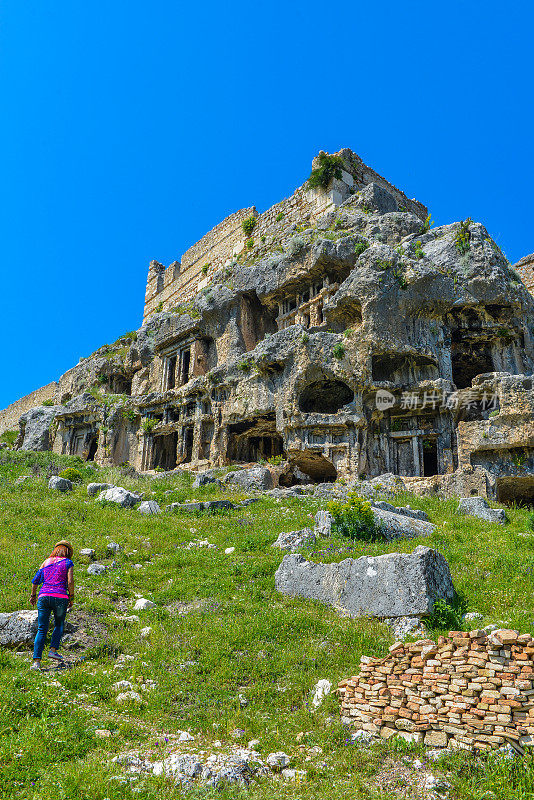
{"type": "Point", "coordinates": [9, 417]}
{"type": "Point", "coordinates": [525, 268]}
{"type": "Point", "coordinates": [467, 690]}
{"type": "Point", "coordinates": [169, 287]}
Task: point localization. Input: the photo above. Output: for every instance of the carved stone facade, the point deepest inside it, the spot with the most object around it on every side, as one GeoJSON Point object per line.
{"type": "Point", "coordinates": [342, 337]}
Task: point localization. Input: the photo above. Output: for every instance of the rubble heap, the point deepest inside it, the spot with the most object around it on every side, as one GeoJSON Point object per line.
{"type": "Point", "coordinates": [469, 690]}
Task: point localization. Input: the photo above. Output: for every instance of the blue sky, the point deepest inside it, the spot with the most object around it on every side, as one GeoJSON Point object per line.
{"type": "Point", "coordinates": [129, 129]}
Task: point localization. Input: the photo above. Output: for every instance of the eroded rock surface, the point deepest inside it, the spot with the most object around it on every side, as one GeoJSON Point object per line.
{"type": "Point", "coordinates": [392, 585]}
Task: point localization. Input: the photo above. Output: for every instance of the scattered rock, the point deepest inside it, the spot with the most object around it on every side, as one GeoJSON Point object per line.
{"type": "Point", "coordinates": [102, 733]}
{"type": "Point", "coordinates": [22, 479]}
{"type": "Point", "coordinates": [149, 507]}
{"type": "Point", "coordinates": [479, 507]}
{"type": "Point", "coordinates": [392, 585]}
{"type": "Point", "coordinates": [143, 604]}
{"type": "Point", "coordinates": [34, 427]}
{"type": "Point", "coordinates": [96, 569]}
{"type": "Point", "coordinates": [400, 526]}
{"type": "Point", "coordinates": [322, 690]}
{"type": "Point", "coordinates": [277, 761]}
{"type": "Point", "coordinates": [17, 628]}
{"type": "Point", "coordinates": [95, 488]}
{"type": "Point", "coordinates": [259, 478]}
{"type": "Point", "coordinates": [60, 484]}
{"type": "Point", "coordinates": [87, 552]}
{"type": "Point", "coordinates": [294, 540]}
{"type": "Point", "coordinates": [120, 496]}
{"type": "Point", "coordinates": [205, 478]}
{"type": "Point", "coordinates": [129, 697]}
{"type": "Point", "coordinates": [323, 523]}
{"type": "Point", "coordinates": [229, 550]}
{"type": "Point", "coordinates": [113, 547]}
{"type": "Point", "coordinates": [474, 616]}
{"type": "Point", "coordinates": [199, 543]}
{"type": "Point", "coordinates": [403, 510]}
{"type": "Point", "coordinates": [144, 633]}
{"type": "Point", "coordinates": [401, 627]}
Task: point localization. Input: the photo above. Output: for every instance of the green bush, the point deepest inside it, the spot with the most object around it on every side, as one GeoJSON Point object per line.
{"type": "Point", "coordinates": [463, 237]}
{"type": "Point", "coordinates": [418, 250]}
{"type": "Point", "coordinates": [9, 437]}
{"type": "Point", "coordinates": [338, 350]}
{"type": "Point", "coordinates": [427, 224]}
{"type": "Point", "coordinates": [355, 519]}
{"type": "Point", "coordinates": [149, 424]}
{"type": "Point", "coordinates": [329, 167]}
{"type": "Point", "coordinates": [280, 217]}
{"type": "Point", "coordinates": [248, 225]}
{"type": "Point", "coordinates": [360, 247]}
{"type": "Point", "coordinates": [71, 474]}
{"type": "Point", "coordinates": [48, 403]}
{"type": "Point", "coordinates": [446, 616]}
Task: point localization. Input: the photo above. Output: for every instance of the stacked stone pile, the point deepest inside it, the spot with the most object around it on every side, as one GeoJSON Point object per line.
{"type": "Point", "coordinates": [469, 690]}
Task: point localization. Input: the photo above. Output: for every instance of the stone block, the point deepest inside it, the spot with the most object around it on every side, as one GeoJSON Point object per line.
{"type": "Point", "coordinates": [392, 585]}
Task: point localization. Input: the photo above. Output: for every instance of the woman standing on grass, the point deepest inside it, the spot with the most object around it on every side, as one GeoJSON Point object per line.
{"type": "Point", "coordinates": [56, 595]}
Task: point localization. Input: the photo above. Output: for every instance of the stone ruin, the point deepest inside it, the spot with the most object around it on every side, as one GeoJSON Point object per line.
{"type": "Point", "coordinates": [336, 335]}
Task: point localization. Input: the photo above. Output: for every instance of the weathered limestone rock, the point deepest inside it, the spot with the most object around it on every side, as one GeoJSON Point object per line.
{"type": "Point", "coordinates": [149, 507]}
{"type": "Point", "coordinates": [294, 540]}
{"type": "Point", "coordinates": [259, 478]}
{"type": "Point", "coordinates": [400, 526]}
{"type": "Point", "coordinates": [119, 496]}
{"type": "Point", "coordinates": [393, 585]}
{"type": "Point", "coordinates": [60, 484]}
{"type": "Point", "coordinates": [17, 628]}
{"type": "Point", "coordinates": [95, 488]}
{"type": "Point", "coordinates": [35, 427]}
{"type": "Point", "coordinates": [96, 569]}
{"type": "Point", "coordinates": [479, 507]}
{"type": "Point", "coordinates": [205, 478]}
{"type": "Point", "coordinates": [323, 523]}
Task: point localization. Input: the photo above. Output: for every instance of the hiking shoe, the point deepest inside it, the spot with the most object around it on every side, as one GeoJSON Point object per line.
{"type": "Point", "coordinates": [37, 667]}
{"type": "Point", "coordinates": [56, 656]}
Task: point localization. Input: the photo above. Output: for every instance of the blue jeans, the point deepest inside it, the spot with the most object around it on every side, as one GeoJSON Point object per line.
{"type": "Point", "coordinates": [45, 606]}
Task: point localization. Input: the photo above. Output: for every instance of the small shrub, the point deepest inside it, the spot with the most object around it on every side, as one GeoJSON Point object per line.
{"type": "Point", "coordinates": [245, 366]}
{"type": "Point", "coordinates": [446, 616]}
{"type": "Point", "coordinates": [418, 250]}
{"type": "Point", "coordinates": [248, 225]}
{"type": "Point", "coordinates": [72, 475]}
{"type": "Point", "coordinates": [276, 460]}
{"type": "Point", "coordinates": [304, 338]}
{"type": "Point", "coordinates": [205, 269]}
{"type": "Point", "coordinates": [427, 224]}
{"type": "Point", "coordinates": [494, 413]}
{"type": "Point", "coordinates": [383, 263]}
{"type": "Point", "coordinates": [338, 350]}
{"type": "Point", "coordinates": [149, 424]}
{"type": "Point", "coordinates": [462, 238]}
{"type": "Point", "coordinates": [280, 216]}
{"type": "Point", "coordinates": [329, 167]}
{"type": "Point", "coordinates": [355, 519]}
{"type": "Point", "coordinates": [295, 246]}
{"type": "Point", "coordinates": [159, 307]}
{"type": "Point", "coordinates": [263, 238]}
{"type": "Point", "coordinates": [360, 247]}
{"type": "Point", "coordinates": [9, 437]}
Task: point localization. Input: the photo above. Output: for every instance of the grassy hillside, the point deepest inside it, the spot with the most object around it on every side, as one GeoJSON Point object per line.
{"type": "Point", "coordinates": [227, 659]}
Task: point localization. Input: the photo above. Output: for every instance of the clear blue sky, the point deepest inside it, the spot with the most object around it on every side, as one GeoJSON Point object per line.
{"type": "Point", "coordinates": [129, 129]}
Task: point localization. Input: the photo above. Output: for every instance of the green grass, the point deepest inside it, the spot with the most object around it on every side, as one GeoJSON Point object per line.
{"type": "Point", "coordinates": [245, 638]}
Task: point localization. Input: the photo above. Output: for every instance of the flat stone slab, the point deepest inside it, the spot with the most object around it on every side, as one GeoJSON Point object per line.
{"type": "Point", "coordinates": [400, 526]}
{"type": "Point", "coordinates": [294, 540]}
{"type": "Point", "coordinates": [479, 507]}
{"type": "Point", "coordinates": [392, 585]}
